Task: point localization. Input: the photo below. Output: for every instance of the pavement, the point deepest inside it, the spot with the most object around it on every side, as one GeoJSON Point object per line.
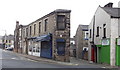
{"type": "Point", "coordinates": [35, 58]}
{"type": "Point", "coordinates": [85, 62]}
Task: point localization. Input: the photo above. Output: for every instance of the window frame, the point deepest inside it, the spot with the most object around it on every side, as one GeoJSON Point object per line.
{"type": "Point", "coordinates": [58, 22]}
{"type": "Point", "coordinates": [30, 30]}
{"type": "Point", "coordinates": [90, 33]}
{"type": "Point", "coordinates": [104, 31]}
{"type": "Point", "coordinates": [34, 29]}
{"type": "Point", "coordinates": [46, 23]}
{"type": "Point", "coordinates": [98, 31]}
{"type": "Point", "coordinates": [39, 27]}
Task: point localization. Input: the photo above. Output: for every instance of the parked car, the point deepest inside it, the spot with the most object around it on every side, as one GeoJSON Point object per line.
{"type": "Point", "coordinates": [10, 48]}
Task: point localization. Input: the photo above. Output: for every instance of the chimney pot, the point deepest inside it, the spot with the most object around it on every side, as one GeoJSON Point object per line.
{"type": "Point", "coordinates": [17, 22]}
{"type": "Point", "coordinates": [109, 5]}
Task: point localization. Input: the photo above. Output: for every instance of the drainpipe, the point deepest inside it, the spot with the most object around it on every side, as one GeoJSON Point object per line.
{"type": "Point", "coordinates": [93, 46]}
{"type": "Point", "coordinates": [93, 29]}
{"type": "Point", "coordinates": [5, 39]}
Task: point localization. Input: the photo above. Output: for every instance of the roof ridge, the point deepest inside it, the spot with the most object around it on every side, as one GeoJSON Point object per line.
{"type": "Point", "coordinates": [113, 12]}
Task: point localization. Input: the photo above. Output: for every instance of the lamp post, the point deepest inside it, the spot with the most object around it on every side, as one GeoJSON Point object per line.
{"type": "Point", "coordinates": [5, 37]}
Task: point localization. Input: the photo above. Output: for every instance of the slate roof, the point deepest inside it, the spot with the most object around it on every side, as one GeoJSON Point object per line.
{"type": "Point", "coordinates": [55, 11]}
{"type": "Point", "coordinates": [84, 27]}
{"type": "Point", "coordinates": [9, 37]}
{"type": "Point", "coordinates": [113, 12]}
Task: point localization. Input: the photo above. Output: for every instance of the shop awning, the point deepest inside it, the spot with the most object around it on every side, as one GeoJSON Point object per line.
{"type": "Point", "coordinates": [31, 38]}
{"type": "Point", "coordinates": [43, 38]}
{"type": "Point", "coordinates": [60, 40]}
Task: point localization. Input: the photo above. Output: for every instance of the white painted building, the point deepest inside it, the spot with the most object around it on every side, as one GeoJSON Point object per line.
{"type": "Point", "coordinates": [103, 31]}
{"type": "Point", "coordinates": [119, 4]}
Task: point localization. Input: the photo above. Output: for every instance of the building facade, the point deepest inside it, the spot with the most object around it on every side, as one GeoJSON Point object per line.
{"type": "Point", "coordinates": [104, 33]}
{"type": "Point", "coordinates": [1, 44]}
{"type": "Point", "coordinates": [18, 38]}
{"type": "Point", "coordinates": [119, 4]}
{"type": "Point", "coordinates": [48, 36]}
{"type": "Point", "coordinates": [8, 41]}
{"type": "Point", "coordinates": [81, 41]}
{"type": "Point", "coordinates": [72, 47]}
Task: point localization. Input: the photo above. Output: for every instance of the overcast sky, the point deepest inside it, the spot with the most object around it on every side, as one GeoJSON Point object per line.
{"type": "Point", "coordinates": [27, 11]}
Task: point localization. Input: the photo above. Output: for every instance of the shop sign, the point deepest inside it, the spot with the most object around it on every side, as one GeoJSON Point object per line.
{"type": "Point", "coordinates": [105, 42]}
{"type": "Point", "coordinates": [118, 41]}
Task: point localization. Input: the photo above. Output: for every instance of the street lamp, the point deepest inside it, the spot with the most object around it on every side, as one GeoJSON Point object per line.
{"type": "Point", "coordinates": [5, 37]}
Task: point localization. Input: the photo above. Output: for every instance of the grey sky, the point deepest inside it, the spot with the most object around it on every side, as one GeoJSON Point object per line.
{"type": "Point", "coordinates": [27, 11]}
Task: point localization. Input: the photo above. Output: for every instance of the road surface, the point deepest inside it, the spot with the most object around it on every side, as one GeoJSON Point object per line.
{"type": "Point", "coordinates": [12, 60]}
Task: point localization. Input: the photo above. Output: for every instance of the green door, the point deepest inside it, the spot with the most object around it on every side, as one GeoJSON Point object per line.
{"type": "Point", "coordinates": [104, 51]}
{"type": "Point", "coordinates": [118, 52]}
{"type": "Point", "coordinates": [104, 54]}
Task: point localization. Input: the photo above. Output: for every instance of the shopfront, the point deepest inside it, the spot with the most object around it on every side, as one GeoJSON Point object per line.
{"type": "Point", "coordinates": [46, 45]}
{"type": "Point", "coordinates": [118, 51]}
{"type": "Point", "coordinates": [41, 46]}
{"type": "Point", "coordinates": [104, 51]}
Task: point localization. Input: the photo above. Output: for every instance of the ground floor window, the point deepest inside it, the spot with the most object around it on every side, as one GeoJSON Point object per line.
{"type": "Point", "coordinates": [61, 46]}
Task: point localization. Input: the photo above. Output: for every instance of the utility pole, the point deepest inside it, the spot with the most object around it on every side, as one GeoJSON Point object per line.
{"type": "Point", "coordinates": [5, 37]}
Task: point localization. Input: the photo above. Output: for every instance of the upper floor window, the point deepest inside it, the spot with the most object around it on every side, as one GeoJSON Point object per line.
{"type": "Point", "coordinates": [26, 31]}
{"type": "Point", "coordinates": [20, 32]}
{"type": "Point", "coordinates": [6, 41]}
{"type": "Point", "coordinates": [3, 41]}
{"type": "Point", "coordinates": [34, 29]}
{"type": "Point", "coordinates": [39, 27]}
{"type": "Point", "coordinates": [104, 31]}
{"type": "Point", "coordinates": [30, 29]}
{"type": "Point", "coordinates": [23, 32]}
{"type": "Point", "coordinates": [46, 22]}
{"type": "Point", "coordinates": [61, 22]}
{"type": "Point", "coordinates": [97, 32]}
{"type": "Point", "coordinates": [90, 33]}
{"type": "Point", "coordinates": [86, 35]}
{"type": "Point", "coordinates": [9, 41]}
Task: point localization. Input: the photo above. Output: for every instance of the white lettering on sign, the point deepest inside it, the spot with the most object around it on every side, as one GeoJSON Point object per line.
{"type": "Point", "coordinates": [118, 41]}
{"type": "Point", "coordinates": [105, 42]}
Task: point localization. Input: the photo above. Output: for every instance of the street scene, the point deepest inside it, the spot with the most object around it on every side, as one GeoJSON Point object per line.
{"type": "Point", "coordinates": [53, 38]}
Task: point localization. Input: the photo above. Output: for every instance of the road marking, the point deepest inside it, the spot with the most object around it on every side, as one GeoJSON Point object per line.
{"type": "Point", "coordinates": [32, 60]}
{"type": "Point", "coordinates": [4, 51]}
{"type": "Point", "coordinates": [13, 58]}
{"type": "Point", "coordinates": [67, 63]}
{"type": "Point", "coordinates": [103, 67]}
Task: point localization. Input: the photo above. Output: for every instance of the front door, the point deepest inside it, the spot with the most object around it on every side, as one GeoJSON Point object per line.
{"type": "Point", "coordinates": [46, 49]}
{"type": "Point", "coordinates": [94, 53]}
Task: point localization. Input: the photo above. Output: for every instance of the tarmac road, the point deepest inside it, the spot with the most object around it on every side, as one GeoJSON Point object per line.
{"type": "Point", "coordinates": [13, 60]}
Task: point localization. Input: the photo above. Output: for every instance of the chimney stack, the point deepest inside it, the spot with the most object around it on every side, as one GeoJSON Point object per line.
{"type": "Point", "coordinates": [17, 24]}
{"type": "Point", "coordinates": [109, 5]}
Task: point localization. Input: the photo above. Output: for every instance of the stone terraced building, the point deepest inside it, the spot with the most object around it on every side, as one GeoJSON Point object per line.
{"type": "Point", "coordinates": [48, 36]}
